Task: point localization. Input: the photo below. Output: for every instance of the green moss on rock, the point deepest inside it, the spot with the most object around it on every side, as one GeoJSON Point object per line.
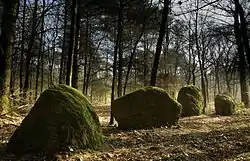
{"type": "Point", "coordinates": [224, 105]}
{"type": "Point", "coordinates": [191, 99]}
{"type": "Point", "coordinates": [146, 108]}
{"type": "Point", "coordinates": [61, 118]}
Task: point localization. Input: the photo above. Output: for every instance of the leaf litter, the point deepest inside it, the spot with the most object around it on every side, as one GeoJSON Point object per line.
{"type": "Point", "coordinates": [198, 138]}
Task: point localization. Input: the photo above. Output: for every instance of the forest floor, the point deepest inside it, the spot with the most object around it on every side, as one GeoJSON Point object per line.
{"type": "Point", "coordinates": [199, 138]}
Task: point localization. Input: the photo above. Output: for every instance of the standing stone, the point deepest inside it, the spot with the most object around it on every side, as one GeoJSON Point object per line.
{"type": "Point", "coordinates": [224, 105]}
{"type": "Point", "coordinates": [61, 119]}
{"type": "Point", "coordinates": [191, 99]}
{"type": "Point", "coordinates": [146, 108]}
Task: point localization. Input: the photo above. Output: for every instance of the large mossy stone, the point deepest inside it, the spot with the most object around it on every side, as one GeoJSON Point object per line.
{"type": "Point", "coordinates": [62, 118]}
{"type": "Point", "coordinates": [146, 108]}
{"type": "Point", "coordinates": [224, 105]}
{"type": "Point", "coordinates": [191, 99]}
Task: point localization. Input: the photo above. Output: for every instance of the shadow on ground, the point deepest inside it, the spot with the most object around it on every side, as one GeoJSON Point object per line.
{"type": "Point", "coordinates": [201, 138]}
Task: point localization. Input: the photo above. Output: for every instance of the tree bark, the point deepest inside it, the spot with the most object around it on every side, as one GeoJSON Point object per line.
{"type": "Point", "coordinates": [201, 62]}
{"type": "Point", "coordinates": [41, 50]}
{"type": "Point", "coordinates": [42, 72]}
{"type": "Point", "coordinates": [30, 49]}
{"type": "Point", "coordinates": [76, 53]}
{"type": "Point", "coordinates": [117, 44]}
{"type": "Point", "coordinates": [244, 34]}
{"type": "Point", "coordinates": [242, 62]}
{"type": "Point", "coordinates": [8, 22]}
{"type": "Point", "coordinates": [120, 53]}
{"type": "Point", "coordinates": [86, 51]}
{"type": "Point", "coordinates": [159, 43]}
{"type": "Point", "coordinates": [22, 50]}
{"type": "Point", "coordinates": [63, 54]}
{"type": "Point", "coordinates": [145, 61]}
{"type": "Point", "coordinates": [132, 56]}
{"type": "Point", "coordinates": [71, 42]}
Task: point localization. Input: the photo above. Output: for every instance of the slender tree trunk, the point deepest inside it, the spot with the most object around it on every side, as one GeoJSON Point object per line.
{"type": "Point", "coordinates": [193, 71]}
{"type": "Point", "coordinates": [8, 22]}
{"type": "Point", "coordinates": [30, 86]}
{"type": "Point", "coordinates": [207, 85]}
{"type": "Point", "coordinates": [42, 70]}
{"type": "Point", "coordinates": [201, 63]}
{"type": "Point", "coordinates": [40, 53]}
{"type": "Point", "coordinates": [145, 61]}
{"type": "Point", "coordinates": [71, 42]}
{"type": "Point", "coordinates": [63, 54]}
{"type": "Point", "coordinates": [30, 50]}
{"type": "Point", "coordinates": [76, 53]}
{"type": "Point", "coordinates": [51, 74]}
{"type": "Point", "coordinates": [120, 53]}
{"type": "Point", "coordinates": [166, 48]}
{"type": "Point", "coordinates": [244, 34]}
{"type": "Point", "coordinates": [22, 50]}
{"type": "Point", "coordinates": [189, 54]}
{"type": "Point", "coordinates": [132, 57]}
{"type": "Point", "coordinates": [86, 52]}
{"type": "Point", "coordinates": [13, 66]}
{"type": "Point", "coordinates": [229, 90]}
{"type": "Point", "coordinates": [88, 74]}
{"type": "Point", "coordinates": [134, 51]}
{"type": "Point", "coordinates": [117, 44]}
{"type": "Point", "coordinates": [38, 70]}
{"type": "Point", "coordinates": [242, 62]}
{"type": "Point", "coordinates": [217, 79]}
{"type": "Point", "coordinates": [159, 43]}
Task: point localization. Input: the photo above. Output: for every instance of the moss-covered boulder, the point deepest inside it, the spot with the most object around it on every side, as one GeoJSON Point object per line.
{"type": "Point", "coordinates": [224, 105]}
{"type": "Point", "coordinates": [191, 99]}
{"type": "Point", "coordinates": [146, 108]}
{"type": "Point", "coordinates": [62, 118]}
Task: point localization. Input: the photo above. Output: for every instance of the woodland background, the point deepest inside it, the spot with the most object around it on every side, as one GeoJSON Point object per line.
{"type": "Point", "coordinates": [109, 48]}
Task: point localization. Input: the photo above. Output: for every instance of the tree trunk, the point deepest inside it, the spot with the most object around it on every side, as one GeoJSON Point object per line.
{"type": "Point", "coordinates": [207, 85]}
{"type": "Point", "coordinates": [76, 53]}
{"type": "Point", "coordinates": [63, 54]}
{"type": "Point", "coordinates": [14, 66]}
{"type": "Point", "coordinates": [159, 43]}
{"type": "Point", "coordinates": [193, 71]}
{"type": "Point", "coordinates": [242, 62]}
{"type": "Point", "coordinates": [22, 50]}
{"type": "Point", "coordinates": [244, 34]}
{"type": "Point", "coordinates": [88, 74]}
{"type": "Point", "coordinates": [71, 42]}
{"type": "Point", "coordinates": [217, 79]}
{"type": "Point", "coordinates": [86, 51]}
{"type": "Point", "coordinates": [120, 53]}
{"type": "Point", "coordinates": [201, 62]}
{"type": "Point", "coordinates": [30, 50]}
{"type": "Point", "coordinates": [8, 22]}
{"type": "Point", "coordinates": [40, 53]}
{"type": "Point", "coordinates": [229, 90]}
{"type": "Point", "coordinates": [189, 54]}
{"type": "Point", "coordinates": [42, 69]}
{"type": "Point", "coordinates": [117, 45]}
{"type": "Point", "coordinates": [145, 62]}
{"type": "Point", "coordinates": [51, 74]}
{"type": "Point", "coordinates": [133, 53]}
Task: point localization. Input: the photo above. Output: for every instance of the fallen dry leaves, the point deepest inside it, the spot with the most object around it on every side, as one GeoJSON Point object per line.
{"type": "Point", "coordinates": [199, 138]}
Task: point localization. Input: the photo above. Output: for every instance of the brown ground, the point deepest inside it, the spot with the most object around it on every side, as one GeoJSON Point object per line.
{"type": "Point", "coordinates": [200, 138]}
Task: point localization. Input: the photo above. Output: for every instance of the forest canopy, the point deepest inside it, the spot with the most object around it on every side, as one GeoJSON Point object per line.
{"type": "Point", "coordinates": [109, 48]}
